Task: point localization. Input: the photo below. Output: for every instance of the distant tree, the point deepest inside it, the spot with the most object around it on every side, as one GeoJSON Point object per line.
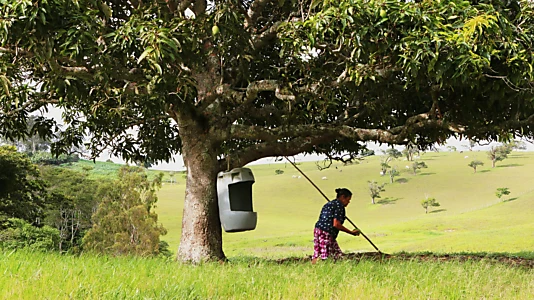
{"type": "Point", "coordinates": [502, 192]}
{"type": "Point", "coordinates": [429, 202]}
{"type": "Point", "coordinates": [171, 175]}
{"type": "Point", "coordinates": [516, 145]}
{"type": "Point", "coordinates": [474, 164]}
{"type": "Point", "coordinates": [72, 202]}
{"type": "Point", "coordinates": [393, 172]}
{"type": "Point", "coordinates": [410, 151]}
{"type": "Point", "coordinates": [33, 142]}
{"type": "Point", "coordinates": [109, 161]}
{"type": "Point", "coordinates": [366, 153]}
{"type": "Point", "coordinates": [498, 153]}
{"type": "Point", "coordinates": [393, 153]}
{"type": "Point", "coordinates": [22, 191]}
{"type": "Point", "coordinates": [418, 165]}
{"type": "Point", "coordinates": [125, 222]}
{"type": "Point", "coordinates": [47, 158]}
{"type": "Point", "coordinates": [279, 172]}
{"type": "Point", "coordinates": [375, 189]}
{"type": "Point", "coordinates": [389, 155]}
{"type": "Point", "coordinates": [471, 145]}
{"type": "Point", "coordinates": [384, 166]}
{"type": "Point", "coordinates": [451, 148]}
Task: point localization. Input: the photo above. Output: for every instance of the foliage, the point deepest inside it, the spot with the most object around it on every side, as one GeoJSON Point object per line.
{"type": "Point", "coordinates": [73, 199]}
{"type": "Point", "coordinates": [429, 202]}
{"type": "Point", "coordinates": [125, 222]}
{"type": "Point", "coordinates": [22, 191]}
{"type": "Point", "coordinates": [367, 152]}
{"type": "Point", "coordinates": [375, 189]}
{"type": "Point", "coordinates": [278, 172]}
{"type": "Point", "coordinates": [47, 158]}
{"type": "Point", "coordinates": [451, 148]}
{"type": "Point", "coordinates": [390, 154]}
{"type": "Point", "coordinates": [474, 164]}
{"type": "Point", "coordinates": [498, 153]}
{"type": "Point", "coordinates": [410, 151]}
{"type": "Point", "coordinates": [502, 192]}
{"type": "Point", "coordinates": [416, 165]}
{"type": "Point", "coordinates": [384, 166]}
{"type": "Point", "coordinates": [393, 153]}
{"type": "Point", "coordinates": [393, 172]}
{"type": "Point", "coordinates": [19, 234]}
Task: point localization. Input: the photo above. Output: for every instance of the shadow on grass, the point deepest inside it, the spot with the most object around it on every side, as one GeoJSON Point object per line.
{"type": "Point", "coordinates": [508, 259]}
{"type": "Point", "coordinates": [483, 171]}
{"type": "Point", "coordinates": [510, 165]}
{"type": "Point", "coordinates": [402, 180]}
{"type": "Point", "coordinates": [426, 174]}
{"type": "Point", "coordinates": [387, 201]}
{"type": "Point", "coordinates": [436, 211]}
{"type": "Point", "coordinates": [510, 200]}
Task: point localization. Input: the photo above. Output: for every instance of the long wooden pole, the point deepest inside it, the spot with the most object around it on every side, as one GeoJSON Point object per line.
{"type": "Point", "coordinates": [328, 200]}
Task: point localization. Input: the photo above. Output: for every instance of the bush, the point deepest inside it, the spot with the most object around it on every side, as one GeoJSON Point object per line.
{"type": "Point", "coordinates": [47, 158]}
{"type": "Point", "coordinates": [279, 172]}
{"type": "Point", "coordinates": [20, 234]}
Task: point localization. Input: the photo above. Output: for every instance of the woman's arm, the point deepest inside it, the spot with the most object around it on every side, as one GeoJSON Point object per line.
{"type": "Point", "coordinates": [338, 225]}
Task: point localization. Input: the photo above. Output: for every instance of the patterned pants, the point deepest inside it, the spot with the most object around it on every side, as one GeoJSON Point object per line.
{"type": "Point", "coordinates": [324, 245]}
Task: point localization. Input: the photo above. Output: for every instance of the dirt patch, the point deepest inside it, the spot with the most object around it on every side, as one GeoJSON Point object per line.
{"type": "Point", "coordinates": [430, 257]}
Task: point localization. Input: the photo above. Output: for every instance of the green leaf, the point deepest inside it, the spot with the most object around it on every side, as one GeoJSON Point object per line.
{"type": "Point", "coordinates": [158, 67]}
{"type": "Point", "coordinates": [145, 53]}
{"type": "Point", "coordinates": [5, 83]}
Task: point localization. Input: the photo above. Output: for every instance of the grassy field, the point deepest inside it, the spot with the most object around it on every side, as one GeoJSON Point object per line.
{"type": "Point", "coordinates": [51, 276]}
{"type": "Point", "coordinates": [471, 218]}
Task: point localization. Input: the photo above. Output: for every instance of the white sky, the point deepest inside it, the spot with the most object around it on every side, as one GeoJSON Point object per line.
{"type": "Point", "coordinates": [178, 164]}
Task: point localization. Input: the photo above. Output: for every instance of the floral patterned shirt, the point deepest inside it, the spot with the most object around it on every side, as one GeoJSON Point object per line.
{"type": "Point", "coordinates": [331, 210]}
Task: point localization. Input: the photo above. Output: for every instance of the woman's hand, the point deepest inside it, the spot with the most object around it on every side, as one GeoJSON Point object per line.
{"type": "Point", "coordinates": [355, 232]}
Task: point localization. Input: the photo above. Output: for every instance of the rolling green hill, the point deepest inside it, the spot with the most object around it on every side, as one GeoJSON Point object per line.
{"type": "Point", "coordinates": [470, 218]}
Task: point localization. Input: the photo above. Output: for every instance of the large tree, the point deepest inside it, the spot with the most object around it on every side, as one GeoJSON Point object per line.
{"type": "Point", "coordinates": [227, 82]}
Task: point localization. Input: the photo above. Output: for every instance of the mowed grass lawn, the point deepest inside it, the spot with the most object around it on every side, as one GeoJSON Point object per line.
{"type": "Point", "coordinates": [470, 219]}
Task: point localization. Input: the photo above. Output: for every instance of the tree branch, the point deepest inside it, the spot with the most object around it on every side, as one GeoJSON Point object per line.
{"type": "Point", "coordinates": [254, 12]}
{"type": "Point", "coordinates": [270, 149]}
{"type": "Point", "coordinates": [261, 40]}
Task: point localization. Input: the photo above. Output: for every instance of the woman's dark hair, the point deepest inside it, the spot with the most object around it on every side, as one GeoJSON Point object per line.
{"type": "Point", "coordinates": [343, 192]}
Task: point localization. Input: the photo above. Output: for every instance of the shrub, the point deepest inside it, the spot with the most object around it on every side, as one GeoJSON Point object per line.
{"type": "Point", "coordinates": [20, 234]}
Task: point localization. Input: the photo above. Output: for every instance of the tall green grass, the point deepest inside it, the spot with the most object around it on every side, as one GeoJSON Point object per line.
{"type": "Point", "coordinates": [27, 275]}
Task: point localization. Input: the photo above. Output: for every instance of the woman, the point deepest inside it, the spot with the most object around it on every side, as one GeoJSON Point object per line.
{"type": "Point", "coordinates": [328, 226]}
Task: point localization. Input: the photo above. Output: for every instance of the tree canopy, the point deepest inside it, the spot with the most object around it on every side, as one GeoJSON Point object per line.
{"type": "Point", "coordinates": [230, 82]}
{"type": "Point", "coordinates": [22, 191]}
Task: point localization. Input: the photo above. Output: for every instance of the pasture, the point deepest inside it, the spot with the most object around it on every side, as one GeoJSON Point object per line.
{"type": "Point", "coordinates": [494, 239]}
{"type": "Point", "coordinates": [470, 219]}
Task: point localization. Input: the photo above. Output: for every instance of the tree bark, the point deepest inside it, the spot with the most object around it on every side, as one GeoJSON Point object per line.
{"type": "Point", "coordinates": [201, 238]}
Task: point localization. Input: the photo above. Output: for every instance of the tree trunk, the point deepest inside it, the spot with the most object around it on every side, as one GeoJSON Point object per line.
{"type": "Point", "coordinates": [201, 227]}
{"type": "Point", "coordinates": [373, 199]}
{"type": "Point", "coordinates": [493, 163]}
